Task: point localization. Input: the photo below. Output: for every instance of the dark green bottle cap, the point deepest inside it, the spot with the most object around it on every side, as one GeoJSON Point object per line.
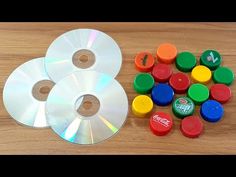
{"type": "Point", "coordinates": [223, 75]}
{"type": "Point", "coordinates": [185, 61]}
{"type": "Point", "coordinates": [182, 107]}
{"type": "Point", "coordinates": [198, 93]}
{"type": "Point", "coordinates": [143, 83]}
{"type": "Point", "coordinates": [211, 59]}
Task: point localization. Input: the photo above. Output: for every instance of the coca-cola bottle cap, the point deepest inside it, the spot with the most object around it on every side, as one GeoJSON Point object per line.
{"type": "Point", "coordinates": [160, 123]}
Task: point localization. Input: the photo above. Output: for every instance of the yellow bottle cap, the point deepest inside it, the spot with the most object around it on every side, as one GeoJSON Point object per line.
{"type": "Point", "coordinates": [201, 74]}
{"type": "Point", "coordinates": [142, 105]}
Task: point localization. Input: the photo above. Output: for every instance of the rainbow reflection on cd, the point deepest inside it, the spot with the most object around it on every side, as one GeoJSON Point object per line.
{"type": "Point", "coordinates": [64, 119]}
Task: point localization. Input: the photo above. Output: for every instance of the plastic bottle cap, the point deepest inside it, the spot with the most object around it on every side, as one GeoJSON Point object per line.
{"type": "Point", "coordinates": [142, 105]}
{"type": "Point", "coordinates": [223, 75]}
{"type": "Point", "coordinates": [160, 123]}
{"type": "Point", "coordinates": [182, 107]}
{"type": "Point", "coordinates": [220, 93]}
{"type": "Point", "coordinates": [212, 111]}
{"type": "Point", "coordinates": [211, 59]}
{"type": "Point", "coordinates": [201, 74]}
{"type": "Point", "coordinates": [144, 61]}
{"type": "Point", "coordinates": [185, 61]}
{"type": "Point", "coordinates": [191, 126]}
{"type": "Point", "coordinates": [198, 93]}
{"type": "Point", "coordinates": [166, 53]}
{"type": "Point", "coordinates": [162, 94]}
{"type": "Point", "coordinates": [143, 83]}
{"type": "Point", "coordinates": [162, 72]}
{"type": "Point", "coordinates": [179, 82]}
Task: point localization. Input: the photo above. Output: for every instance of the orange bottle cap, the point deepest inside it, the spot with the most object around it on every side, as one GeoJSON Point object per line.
{"type": "Point", "coordinates": [166, 53]}
{"type": "Point", "coordinates": [144, 61]}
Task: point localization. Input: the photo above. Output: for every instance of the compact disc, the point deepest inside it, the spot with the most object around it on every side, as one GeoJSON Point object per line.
{"type": "Point", "coordinates": [82, 49]}
{"type": "Point", "coordinates": [25, 93]}
{"type": "Point", "coordinates": [86, 107]}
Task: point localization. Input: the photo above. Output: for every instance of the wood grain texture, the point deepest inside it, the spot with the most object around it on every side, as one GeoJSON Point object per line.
{"type": "Point", "coordinates": [20, 42]}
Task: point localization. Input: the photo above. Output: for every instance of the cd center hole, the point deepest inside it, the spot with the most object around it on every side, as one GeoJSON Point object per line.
{"type": "Point", "coordinates": [41, 89]}
{"type": "Point", "coordinates": [83, 58]}
{"type": "Point", "coordinates": [87, 105]}
{"type": "Point", "coordinates": [45, 90]}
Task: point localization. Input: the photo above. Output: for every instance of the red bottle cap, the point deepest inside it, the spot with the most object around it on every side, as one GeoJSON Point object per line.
{"type": "Point", "coordinates": [160, 123]}
{"type": "Point", "coordinates": [191, 126]}
{"type": "Point", "coordinates": [220, 93]}
{"type": "Point", "coordinates": [179, 82]}
{"type": "Point", "coordinates": [144, 61]}
{"type": "Point", "coordinates": [161, 72]}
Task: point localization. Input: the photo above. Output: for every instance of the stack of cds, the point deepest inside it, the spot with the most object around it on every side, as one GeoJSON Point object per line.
{"type": "Point", "coordinates": [72, 89]}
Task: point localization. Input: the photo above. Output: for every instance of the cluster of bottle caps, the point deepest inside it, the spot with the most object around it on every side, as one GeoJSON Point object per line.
{"type": "Point", "coordinates": [158, 80]}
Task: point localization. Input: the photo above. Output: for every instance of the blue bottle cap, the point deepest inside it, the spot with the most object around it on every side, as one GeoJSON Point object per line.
{"type": "Point", "coordinates": [212, 111]}
{"type": "Point", "coordinates": [162, 94]}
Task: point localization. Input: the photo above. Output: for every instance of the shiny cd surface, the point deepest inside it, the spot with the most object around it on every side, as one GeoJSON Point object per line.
{"type": "Point", "coordinates": [25, 93]}
{"type": "Point", "coordinates": [82, 50]}
{"type": "Point", "coordinates": [86, 107]}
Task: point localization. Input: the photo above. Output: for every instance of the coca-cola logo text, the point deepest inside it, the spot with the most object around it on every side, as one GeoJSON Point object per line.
{"type": "Point", "coordinates": [163, 121]}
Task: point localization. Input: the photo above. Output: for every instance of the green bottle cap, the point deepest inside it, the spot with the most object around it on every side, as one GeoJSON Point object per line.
{"type": "Point", "coordinates": [182, 107]}
{"type": "Point", "coordinates": [223, 75]}
{"type": "Point", "coordinates": [143, 83]}
{"type": "Point", "coordinates": [211, 59]}
{"type": "Point", "coordinates": [198, 93]}
{"type": "Point", "coordinates": [185, 61]}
